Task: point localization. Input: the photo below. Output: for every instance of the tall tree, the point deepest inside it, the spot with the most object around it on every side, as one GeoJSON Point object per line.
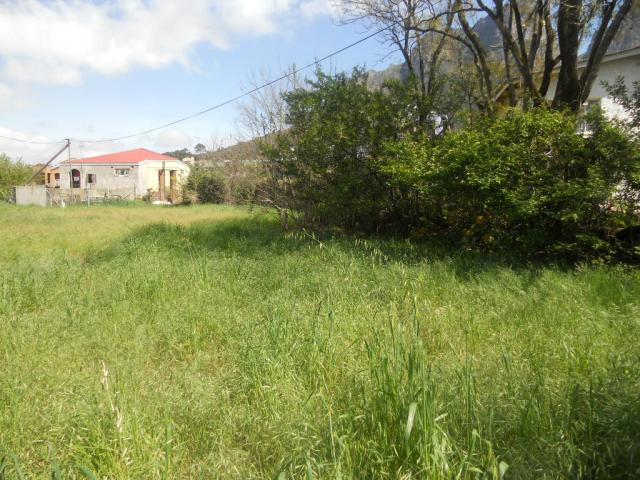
{"type": "Point", "coordinates": [537, 37]}
{"type": "Point", "coordinates": [409, 27]}
{"type": "Point", "coordinates": [612, 15]}
{"type": "Point", "coordinates": [578, 22]}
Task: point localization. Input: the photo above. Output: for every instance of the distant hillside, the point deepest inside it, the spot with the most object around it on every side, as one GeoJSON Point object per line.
{"type": "Point", "coordinates": [243, 151]}
{"type": "Point", "coordinates": [486, 30]}
{"type": "Point", "coordinates": [629, 34]}
{"type": "Point", "coordinates": [376, 78]}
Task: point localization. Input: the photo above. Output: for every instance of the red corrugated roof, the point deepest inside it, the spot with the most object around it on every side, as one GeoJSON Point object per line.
{"type": "Point", "coordinates": [129, 157]}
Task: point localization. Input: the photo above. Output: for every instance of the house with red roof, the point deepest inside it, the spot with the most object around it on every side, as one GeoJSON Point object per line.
{"type": "Point", "coordinates": [130, 174]}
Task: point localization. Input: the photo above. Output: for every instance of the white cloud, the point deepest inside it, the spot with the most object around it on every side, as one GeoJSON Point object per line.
{"type": "Point", "coordinates": [7, 97]}
{"type": "Point", "coordinates": [171, 139]}
{"type": "Point", "coordinates": [315, 8]}
{"type": "Point", "coordinates": [58, 41]}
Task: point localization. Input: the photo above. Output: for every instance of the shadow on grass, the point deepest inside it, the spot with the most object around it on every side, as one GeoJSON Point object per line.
{"type": "Point", "coordinates": [261, 236]}
{"type": "Point", "coordinates": [250, 237]}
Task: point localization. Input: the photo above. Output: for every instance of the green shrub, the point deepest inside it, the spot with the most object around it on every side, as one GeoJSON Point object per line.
{"type": "Point", "coordinates": [527, 182]}
{"type": "Point", "coordinates": [204, 186]}
{"type": "Point", "coordinates": [12, 173]}
{"type": "Point", "coordinates": [326, 164]}
{"type": "Point", "coordinates": [629, 99]}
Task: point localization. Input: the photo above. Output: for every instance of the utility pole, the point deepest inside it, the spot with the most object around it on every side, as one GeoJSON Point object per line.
{"type": "Point", "coordinates": [66, 145]}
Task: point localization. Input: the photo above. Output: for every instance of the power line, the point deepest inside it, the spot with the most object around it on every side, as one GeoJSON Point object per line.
{"type": "Point", "coordinates": [32, 142]}
{"type": "Point", "coordinates": [293, 72]}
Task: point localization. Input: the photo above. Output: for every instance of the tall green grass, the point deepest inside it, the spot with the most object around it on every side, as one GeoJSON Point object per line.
{"type": "Point", "coordinates": [204, 343]}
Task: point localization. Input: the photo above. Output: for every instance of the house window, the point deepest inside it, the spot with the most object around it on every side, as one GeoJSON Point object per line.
{"type": "Point", "coordinates": [92, 179]}
{"type": "Point", "coordinates": [122, 172]}
{"type": "Point", "coordinates": [590, 105]}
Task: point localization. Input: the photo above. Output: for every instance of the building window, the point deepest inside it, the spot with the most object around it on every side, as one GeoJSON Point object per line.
{"type": "Point", "coordinates": [75, 178]}
{"type": "Point", "coordinates": [590, 105]}
{"type": "Point", "coordinates": [92, 179]}
{"type": "Point", "coordinates": [122, 172]}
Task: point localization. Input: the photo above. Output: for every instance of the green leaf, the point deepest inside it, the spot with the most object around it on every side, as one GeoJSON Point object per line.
{"type": "Point", "coordinates": [410, 420]}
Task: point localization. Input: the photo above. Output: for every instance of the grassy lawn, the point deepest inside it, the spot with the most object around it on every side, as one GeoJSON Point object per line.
{"type": "Point", "coordinates": [202, 342]}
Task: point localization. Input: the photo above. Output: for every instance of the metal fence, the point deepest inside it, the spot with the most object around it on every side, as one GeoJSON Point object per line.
{"type": "Point", "coordinates": [62, 197]}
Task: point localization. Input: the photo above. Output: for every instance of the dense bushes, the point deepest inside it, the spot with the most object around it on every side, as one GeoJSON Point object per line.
{"type": "Point", "coordinates": [528, 182]}
{"type": "Point", "coordinates": [326, 162]}
{"type": "Point", "coordinates": [204, 186]}
{"type": "Point", "coordinates": [531, 182]}
{"type": "Point", "coordinates": [234, 183]}
{"type": "Point", "coordinates": [12, 173]}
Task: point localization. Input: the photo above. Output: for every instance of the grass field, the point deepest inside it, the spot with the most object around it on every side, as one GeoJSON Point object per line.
{"type": "Point", "coordinates": [202, 342]}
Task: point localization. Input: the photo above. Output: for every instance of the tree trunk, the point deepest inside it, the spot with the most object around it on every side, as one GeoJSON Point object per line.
{"type": "Point", "coordinates": [568, 92]}
{"type": "Point", "coordinates": [511, 88]}
{"type": "Point", "coordinates": [485, 71]}
{"type": "Point", "coordinates": [548, 52]}
{"type": "Point", "coordinates": [600, 44]}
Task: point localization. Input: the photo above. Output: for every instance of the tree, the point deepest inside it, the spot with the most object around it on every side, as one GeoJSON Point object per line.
{"type": "Point", "coordinates": [578, 21]}
{"type": "Point", "coordinates": [574, 17]}
{"type": "Point", "coordinates": [200, 148]}
{"type": "Point", "coordinates": [179, 154]}
{"type": "Point", "coordinates": [329, 153]}
{"type": "Point", "coordinates": [264, 119]}
{"type": "Point", "coordinates": [419, 29]}
{"type": "Point", "coordinates": [204, 186]}
{"type": "Point", "coordinates": [537, 37]}
{"type": "Point", "coordinates": [630, 101]}
{"type": "Point", "coordinates": [12, 173]}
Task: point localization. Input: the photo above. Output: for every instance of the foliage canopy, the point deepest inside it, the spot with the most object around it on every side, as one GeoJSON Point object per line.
{"type": "Point", "coordinates": [12, 173]}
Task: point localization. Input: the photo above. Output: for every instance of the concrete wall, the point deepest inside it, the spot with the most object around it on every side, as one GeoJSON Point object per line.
{"type": "Point", "coordinates": [106, 178]}
{"type": "Point", "coordinates": [32, 195]}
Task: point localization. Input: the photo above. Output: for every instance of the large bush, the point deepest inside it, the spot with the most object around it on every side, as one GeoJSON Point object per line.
{"type": "Point", "coordinates": [528, 182]}
{"type": "Point", "coordinates": [325, 164]}
{"type": "Point", "coordinates": [12, 173]}
{"type": "Point", "coordinates": [204, 186]}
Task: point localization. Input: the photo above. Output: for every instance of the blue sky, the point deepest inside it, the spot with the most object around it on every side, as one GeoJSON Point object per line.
{"type": "Point", "coordinates": [94, 70]}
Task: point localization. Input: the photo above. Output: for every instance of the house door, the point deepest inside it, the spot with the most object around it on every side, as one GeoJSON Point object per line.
{"type": "Point", "coordinates": [75, 178]}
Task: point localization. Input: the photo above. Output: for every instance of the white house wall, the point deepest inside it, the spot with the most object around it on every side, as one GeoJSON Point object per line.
{"type": "Point", "coordinates": [628, 67]}
{"type": "Point", "coordinates": [106, 177]}
{"type": "Point", "coordinates": [150, 169]}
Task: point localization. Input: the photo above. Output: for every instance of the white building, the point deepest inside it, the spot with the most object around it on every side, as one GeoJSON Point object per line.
{"type": "Point", "coordinates": [130, 174]}
{"type": "Point", "coordinates": [622, 63]}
